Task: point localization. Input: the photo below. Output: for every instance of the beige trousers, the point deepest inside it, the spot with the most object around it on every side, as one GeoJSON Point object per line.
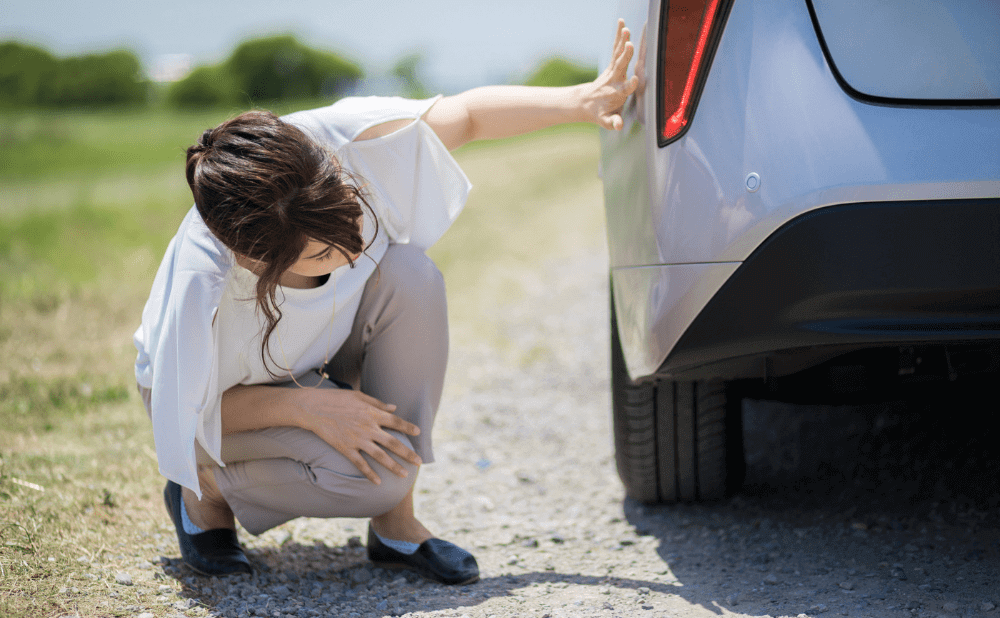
{"type": "Point", "coordinates": [397, 352]}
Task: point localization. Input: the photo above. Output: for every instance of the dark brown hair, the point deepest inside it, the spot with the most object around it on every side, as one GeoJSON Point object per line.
{"type": "Point", "coordinates": [264, 189]}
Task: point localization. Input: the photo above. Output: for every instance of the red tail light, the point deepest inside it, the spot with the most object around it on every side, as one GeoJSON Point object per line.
{"type": "Point", "coordinates": [689, 33]}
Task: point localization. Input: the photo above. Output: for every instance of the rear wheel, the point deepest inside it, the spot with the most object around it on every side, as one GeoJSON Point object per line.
{"type": "Point", "coordinates": [675, 441]}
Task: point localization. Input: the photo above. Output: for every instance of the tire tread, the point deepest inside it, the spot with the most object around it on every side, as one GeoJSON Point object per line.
{"type": "Point", "coordinates": [674, 440]}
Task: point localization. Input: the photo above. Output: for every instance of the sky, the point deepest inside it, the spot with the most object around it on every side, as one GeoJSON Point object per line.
{"type": "Point", "coordinates": [465, 43]}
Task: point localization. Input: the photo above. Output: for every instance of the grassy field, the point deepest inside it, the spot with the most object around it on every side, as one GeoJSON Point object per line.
{"type": "Point", "coordinates": [88, 202]}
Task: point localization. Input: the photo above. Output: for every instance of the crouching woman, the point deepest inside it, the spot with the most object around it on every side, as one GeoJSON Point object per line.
{"type": "Point", "coordinates": [293, 348]}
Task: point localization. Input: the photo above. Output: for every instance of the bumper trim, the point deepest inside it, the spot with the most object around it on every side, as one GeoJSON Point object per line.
{"type": "Point", "coordinates": [855, 276]}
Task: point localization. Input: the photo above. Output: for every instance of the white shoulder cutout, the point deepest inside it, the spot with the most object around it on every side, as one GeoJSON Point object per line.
{"type": "Point", "coordinates": [383, 129]}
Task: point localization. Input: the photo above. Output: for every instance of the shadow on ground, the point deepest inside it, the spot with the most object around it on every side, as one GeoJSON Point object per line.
{"type": "Point", "coordinates": [875, 510]}
{"type": "Point", "coordinates": [347, 582]}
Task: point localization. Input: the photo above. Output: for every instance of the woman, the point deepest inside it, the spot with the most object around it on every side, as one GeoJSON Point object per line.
{"type": "Point", "coordinates": [293, 348]}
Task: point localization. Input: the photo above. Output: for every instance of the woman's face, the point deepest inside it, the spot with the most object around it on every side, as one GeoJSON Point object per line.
{"type": "Point", "coordinates": [316, 260]}
{"type": "Point", "coordinates": [319, 259]}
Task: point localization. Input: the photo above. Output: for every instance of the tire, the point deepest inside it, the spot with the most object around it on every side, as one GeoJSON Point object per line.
{"type": "Point", "coordinates": [675, 441]}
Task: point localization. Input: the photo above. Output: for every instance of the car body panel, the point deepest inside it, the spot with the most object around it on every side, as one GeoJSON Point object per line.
{"type": "Point", "coordinates": [655, 305]}
{"type": "Point", "coordinates": [770, 106]}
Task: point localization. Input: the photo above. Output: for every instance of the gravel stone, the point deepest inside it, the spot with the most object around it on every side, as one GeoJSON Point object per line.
{"type": "Point", "coordinates": [361, 576]}
{"type": "Point", "coordinates": [123, 579]}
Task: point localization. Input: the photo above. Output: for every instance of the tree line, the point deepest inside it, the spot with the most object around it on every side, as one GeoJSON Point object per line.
{"type": "Point", "coordinates": [274, 68]}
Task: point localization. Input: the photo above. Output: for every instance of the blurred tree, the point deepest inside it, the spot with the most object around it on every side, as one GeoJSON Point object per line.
{"type": "Point", "coordinates": [407, 70]}
{"type": "Point", "coordinates": [278, 68]}
{"type": "Point", "coordinates": [560, 72]}
{"type": "Point", "coordinates": [112, 78]}
{"type": "Point", "coordinates": [27, 75]}
{"type": "Point", "coordinates": [30, 76]}
{"type": "Point", "coordinates": [282, 68]}
{"type": "Point", "coordinates": [207, 86]}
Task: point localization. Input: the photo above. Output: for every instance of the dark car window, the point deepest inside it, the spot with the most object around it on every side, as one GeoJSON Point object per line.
{"type": "Point", "coordinates": [930, 50]}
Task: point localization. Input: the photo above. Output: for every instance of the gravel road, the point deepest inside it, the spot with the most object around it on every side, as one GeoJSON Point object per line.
{"type": "Point", "coordinates": [863, 511]}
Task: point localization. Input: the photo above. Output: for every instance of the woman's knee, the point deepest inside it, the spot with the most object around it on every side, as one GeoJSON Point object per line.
{"type": "Point", "coordinates": [337, 476]}
{"type": "Point", "coordinates": [356, 496]}
{"type": "Point", "coordinates": [392, 490]}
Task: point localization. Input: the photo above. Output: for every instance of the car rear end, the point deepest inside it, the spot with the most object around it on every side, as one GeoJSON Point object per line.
{"type": "Point", "coordinates": [802, 187]}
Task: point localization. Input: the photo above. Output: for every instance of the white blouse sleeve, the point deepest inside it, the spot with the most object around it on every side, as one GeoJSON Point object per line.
{"type": "Point", "coordinates": [416, 187]}
{"type": "Point", "coordinates": [177, 351]}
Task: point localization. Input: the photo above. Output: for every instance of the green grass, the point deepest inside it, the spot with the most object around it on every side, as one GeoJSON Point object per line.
{"type": "Point", "coordinates": [48, 144]}
{"type": "Point", "coordinates": [41, 145]}
{"type": "Point", "coordinates": [84, 221]}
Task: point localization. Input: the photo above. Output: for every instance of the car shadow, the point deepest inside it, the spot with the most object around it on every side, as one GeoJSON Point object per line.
{"type": "Point", "coordinates": [864, 510]}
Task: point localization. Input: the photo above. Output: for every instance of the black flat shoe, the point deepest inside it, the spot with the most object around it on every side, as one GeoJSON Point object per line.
{"type": "Point", "coordinates": [435, 559]}
{"type": "Point", "coordinates": [213, 552]}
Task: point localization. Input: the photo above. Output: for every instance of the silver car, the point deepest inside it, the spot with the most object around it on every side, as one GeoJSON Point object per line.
{"type": "Point", "coordinates": [802, 205]}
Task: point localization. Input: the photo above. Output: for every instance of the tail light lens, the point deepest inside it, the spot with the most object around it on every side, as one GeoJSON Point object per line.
{"type": "Point", "coordinates": [689, 33]}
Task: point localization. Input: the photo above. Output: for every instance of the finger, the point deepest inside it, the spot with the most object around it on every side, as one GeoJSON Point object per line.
{"type": "Point", "coordinates": [376, 403]}
{"type": "Point", "coordinates": [396, 446]}
{"type": "Point", "coordinates": [621, 62]}
{"type": "Point", "coordinates": [616, 48]}
{"type": "Point", "coordinates": [391, 421]}
{"type": "Point", "coordinates": [390, 464]}
{"type": "Point", "coordinates": [612, 122]}
{"type": "Point", "coordinates": [625, 36]}
{"type": "Point", "coordinates": [363, 467]}
{"type": "Point", "coordinates": [631, 85]}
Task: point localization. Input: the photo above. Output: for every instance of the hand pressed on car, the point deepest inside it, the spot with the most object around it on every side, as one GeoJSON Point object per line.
{"type": "Point", "coordinates": [606, 95]}
{"type": "Point", "coordinates": [492, 112]}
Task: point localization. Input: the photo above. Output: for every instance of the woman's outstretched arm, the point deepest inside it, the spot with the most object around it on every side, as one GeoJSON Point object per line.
{"type": "Point", "coordinates": [493, 112]}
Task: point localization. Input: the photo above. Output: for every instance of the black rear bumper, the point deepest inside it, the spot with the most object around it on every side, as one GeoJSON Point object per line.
{"type": "Point", "coordinates": [850, 277]}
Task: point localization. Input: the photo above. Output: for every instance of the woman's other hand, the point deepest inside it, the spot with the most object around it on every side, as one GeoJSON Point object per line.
{"type": "Point", "coordinates": [604, 97]}
{"type": "Point", "coordinates": [349, 421]}
{"type": "Point", "coordinates": [355, 423]}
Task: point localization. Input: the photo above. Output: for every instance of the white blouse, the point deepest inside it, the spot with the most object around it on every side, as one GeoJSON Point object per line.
{"type": "Point", "coordinates": [188, 358]}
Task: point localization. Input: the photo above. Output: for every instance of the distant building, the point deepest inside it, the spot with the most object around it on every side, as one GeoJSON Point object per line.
{"type": "Point", "coordinates": [170, 67]}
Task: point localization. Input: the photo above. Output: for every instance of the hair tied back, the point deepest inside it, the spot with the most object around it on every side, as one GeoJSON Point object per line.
{"type": "Point", "coordinates": [207, 138]}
